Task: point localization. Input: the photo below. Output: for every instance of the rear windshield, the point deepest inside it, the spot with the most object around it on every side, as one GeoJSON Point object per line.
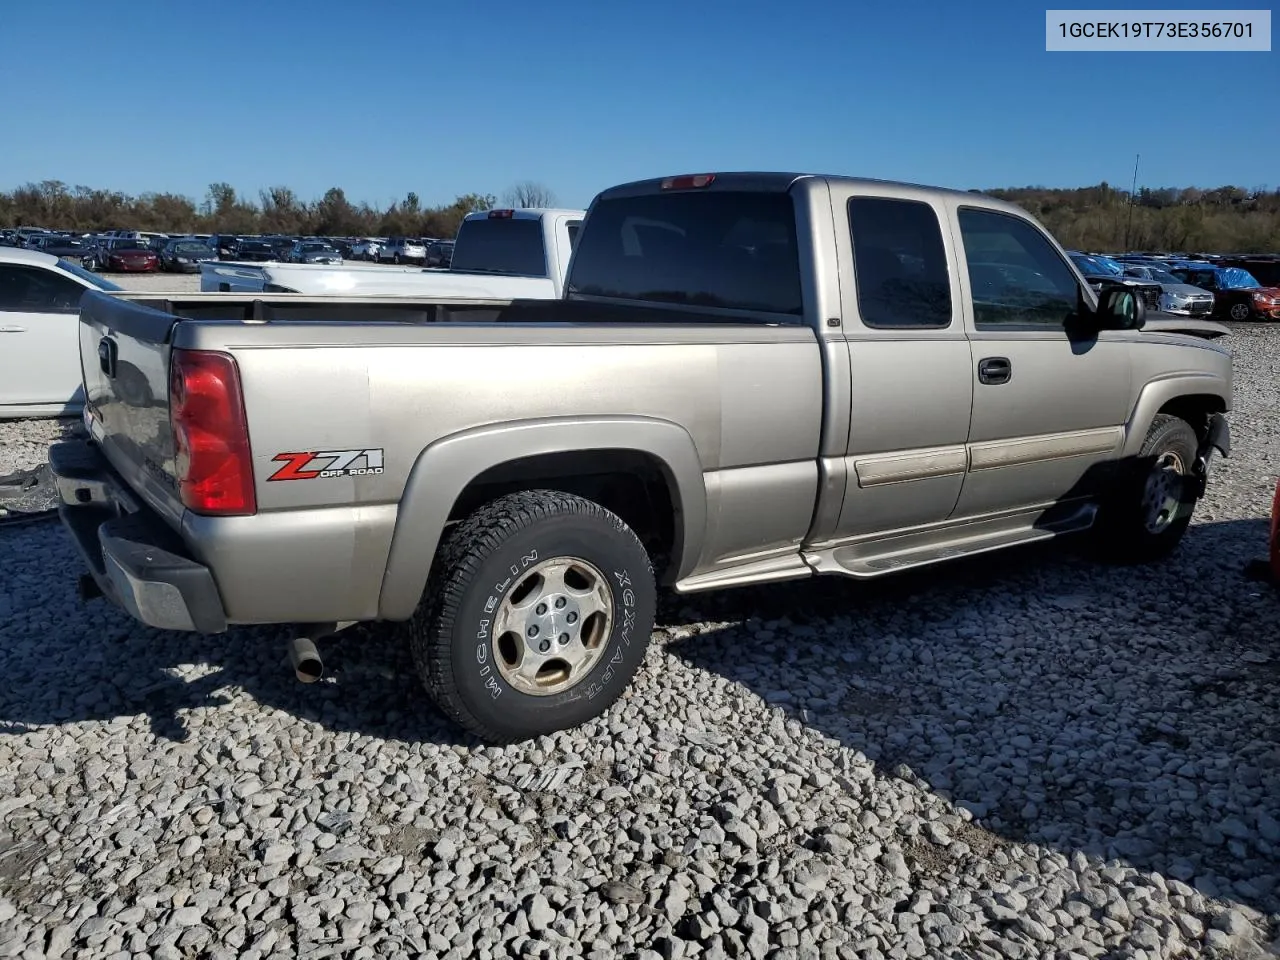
{"type": "Point", "coordinates": [511, 246]}
{"type": "Point", "coordinates": [728, 249]}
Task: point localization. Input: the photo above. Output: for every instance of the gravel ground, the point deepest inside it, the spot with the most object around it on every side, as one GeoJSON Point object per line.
{"type": "Point", "coordinates": [1025, 757]}
{"type": "Point", "coordinates": [167, 282]}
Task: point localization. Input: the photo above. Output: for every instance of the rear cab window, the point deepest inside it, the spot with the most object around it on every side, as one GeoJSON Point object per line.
{"type": "Point", "coordinates": [510, 246]}
{"type": "Point", "coordinates": [899, 264]}
{"type": "Point", "coordinates": [731, 250]}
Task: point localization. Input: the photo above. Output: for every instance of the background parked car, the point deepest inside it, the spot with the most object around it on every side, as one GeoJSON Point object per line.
{"type": "Point", "coordinates": [225, 244]}
{"type": "Point", "coordinates": [123, 256]}
{"type": "Point", "coordinates": [60, 245]}
{"type": "Point", "coordinates": [440, 254]}
{"type": "Point", "coordinates": [40, 332]}
{"type": "Point", "coordinates": [185, 256]}
{"type": "Point", "coordinates": [1264, 268]}
{"type": "Point", "coordinates": [1099, 270]}
{"type": "Point", "coordinates": [366, 248]}
{"type": "Point", "coordinates": [256, 251]}
{"type": "Point", "coordinates": [1237, 293]}
{"type": "Point", "coordinates": [1177, 297]}
{"type": "Point", "coordinates": [402, 250]}
{"type": "Point", "coordinates": [314, 251]}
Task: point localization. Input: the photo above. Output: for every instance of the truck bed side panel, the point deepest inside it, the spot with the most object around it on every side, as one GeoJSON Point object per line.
{"type": "Point", "coordinates": [748, 396]}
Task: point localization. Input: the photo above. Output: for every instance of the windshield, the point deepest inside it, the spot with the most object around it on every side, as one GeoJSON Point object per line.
{"type": "Point", "coordinates": [130, 245]}
{"type": "Point", "coordinates": [1095, 266]}
{"type": "Point", "coordinates": [91, 278]}
{"type": "Point", "coordinates": [195, 249]}
{"type": "Point", "coordinates": [255, 245]}
{"type": "Point", "coordinates": [1162, 276]}
{"type": "Point", "coordinates": [316, 247]}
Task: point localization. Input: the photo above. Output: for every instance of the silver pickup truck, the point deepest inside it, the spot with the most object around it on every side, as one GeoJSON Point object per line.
{"type": "Point", "coordinates": [751, 378]}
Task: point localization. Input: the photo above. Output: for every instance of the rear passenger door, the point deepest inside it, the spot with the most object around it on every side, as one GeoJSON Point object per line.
{"type": "Point", "coordinates": [911, 382]}
{"type": "Point", "coordinates": [1049, 402]}
{"type": "Point", "coordinates": [39, 336]}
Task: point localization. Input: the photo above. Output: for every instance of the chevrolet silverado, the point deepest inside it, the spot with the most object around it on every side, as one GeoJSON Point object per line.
{"type": "Point", "coordinates": [751, 377]}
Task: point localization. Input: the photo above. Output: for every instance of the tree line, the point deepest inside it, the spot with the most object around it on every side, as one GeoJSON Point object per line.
{"type": "Point", "coordinates": [1102, 218]}
{"type": "Point", "coordinates": [1225, 219]}
{"type": "Point", "coordinates": [277, 210]}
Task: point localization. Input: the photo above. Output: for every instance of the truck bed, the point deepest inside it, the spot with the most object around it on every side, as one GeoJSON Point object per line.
{"type": "Point", "coordinates": [736, 407]}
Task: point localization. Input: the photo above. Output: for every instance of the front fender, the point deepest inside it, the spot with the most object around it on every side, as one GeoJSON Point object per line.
{"type": "Point", "coordinates": [445, 468]}
{"type": "Point", "coordinates": [1156, 394]}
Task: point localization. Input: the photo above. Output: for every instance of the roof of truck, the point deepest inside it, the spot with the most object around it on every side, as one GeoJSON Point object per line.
{"type": "Point", "coordinates": [769, 181]}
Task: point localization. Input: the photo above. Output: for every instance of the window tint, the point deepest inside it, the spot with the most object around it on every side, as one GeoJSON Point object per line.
{"type": "Point", "coordinates": [728, 249]}
{"type": "Point", "coordinates": [506, 246]}
{"type": "Point", "coordinates": [30, 289]}
{"type": "Point", "coordinates": [899, 263]}
{"type": "Point", "coordinates": [1017, 277]}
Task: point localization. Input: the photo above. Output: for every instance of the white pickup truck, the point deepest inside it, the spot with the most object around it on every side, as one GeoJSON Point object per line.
{"type": "Point", "coordinates": [498, 254]}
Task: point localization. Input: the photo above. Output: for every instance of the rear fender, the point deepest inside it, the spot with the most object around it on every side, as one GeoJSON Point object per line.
{"type": "Point", "coordinates": [445, 469]}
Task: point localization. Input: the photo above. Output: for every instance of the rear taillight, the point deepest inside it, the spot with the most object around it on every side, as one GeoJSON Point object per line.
{"type": "Point", "coordinates": [212, 460]}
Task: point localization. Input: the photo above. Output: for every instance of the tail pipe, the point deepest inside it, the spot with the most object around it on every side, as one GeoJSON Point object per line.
{"type": "Point", "coordinates": [303, 655]}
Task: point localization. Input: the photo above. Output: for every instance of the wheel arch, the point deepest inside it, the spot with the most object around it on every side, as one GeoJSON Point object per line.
{"type": "Point", "coordinates": [1191, 397]}
{"type": "Point", "coordinates": [457, 473]}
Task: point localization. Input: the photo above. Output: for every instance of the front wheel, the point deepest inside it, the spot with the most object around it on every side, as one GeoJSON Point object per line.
{"type": "Point", "coordinates": [1145, 514]}
{"type": "Point", "coordinates": [537, 616]}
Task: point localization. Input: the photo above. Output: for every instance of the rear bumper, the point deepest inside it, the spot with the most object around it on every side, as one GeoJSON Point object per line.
{"type": "Point", "coordinates": [135, 559]}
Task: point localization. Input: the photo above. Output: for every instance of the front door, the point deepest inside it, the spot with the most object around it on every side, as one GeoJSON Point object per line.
{"type": "Point", "coordinates": [909, 358]}
{"type": "Point", "coordinates": [1048, 405]}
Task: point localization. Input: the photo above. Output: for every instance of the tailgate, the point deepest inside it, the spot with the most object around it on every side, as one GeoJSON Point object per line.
{"type": "Point", "coordinates": [124, 356]}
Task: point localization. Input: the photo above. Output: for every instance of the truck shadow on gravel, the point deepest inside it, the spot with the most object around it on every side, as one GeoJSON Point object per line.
{"type": "Point", "coordinates": [67, 662]}
{"type": "Point", "coordinates": [1129, 713]}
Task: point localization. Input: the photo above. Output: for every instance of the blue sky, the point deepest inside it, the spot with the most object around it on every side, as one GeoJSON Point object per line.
{"type": "Point", "coordinates": [444, 98]}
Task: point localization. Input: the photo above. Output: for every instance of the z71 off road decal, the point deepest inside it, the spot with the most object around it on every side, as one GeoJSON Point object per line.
{"type": "Point", "coordinates": [318, 464]}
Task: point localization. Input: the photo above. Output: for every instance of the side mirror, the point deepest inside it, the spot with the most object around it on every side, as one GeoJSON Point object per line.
{"type": "Point", "coordinates": [1120, 308]}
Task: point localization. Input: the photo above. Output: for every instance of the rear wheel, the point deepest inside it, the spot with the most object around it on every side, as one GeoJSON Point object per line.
{"type": "Point", "coordinates": [1146, 512]}
{"type": "Point", "coordinates": [537, 616]}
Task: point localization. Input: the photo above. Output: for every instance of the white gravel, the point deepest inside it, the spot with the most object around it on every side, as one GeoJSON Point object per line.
{"type": "Point", "coordinates": [161, 282]}
{"type": "Point", "coordinates": [1025, 757]}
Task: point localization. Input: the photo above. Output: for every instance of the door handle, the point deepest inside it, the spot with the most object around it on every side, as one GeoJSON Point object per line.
{"type": "Point", "coordinates": [13, 329]}
{"type": "Point", "coordinates": [994, 370]}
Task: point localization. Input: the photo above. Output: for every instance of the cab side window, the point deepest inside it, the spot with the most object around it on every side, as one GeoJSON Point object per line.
{"type": "Point", "coordinates": [33, 290]}
{"type": "Point", "coordinates": [899, 264]}
{"type": "Point", "coordinates": [1017, 279]}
